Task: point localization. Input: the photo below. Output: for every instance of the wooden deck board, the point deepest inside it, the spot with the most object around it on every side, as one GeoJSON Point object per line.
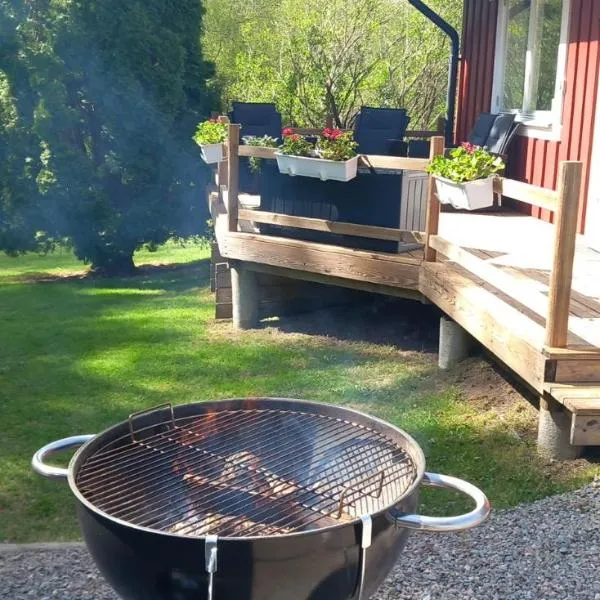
{"type": "Point", "coordinates": [476, 306]}
{"type": "Point", "coordinates": [522, 246]}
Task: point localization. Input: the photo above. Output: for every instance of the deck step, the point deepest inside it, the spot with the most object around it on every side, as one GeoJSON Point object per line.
{"type": "Point", "coordinates": [583, 400]}
{"type": "Point", "coordinates": [579, 398]}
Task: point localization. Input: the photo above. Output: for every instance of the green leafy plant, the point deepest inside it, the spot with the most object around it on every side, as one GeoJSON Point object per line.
{"type": "Point", "coordinates": [265, 141]}
{"type": "Point", "coordinates": [210, 132]}
{"type": "Point", "coordinates": [334, 144]}
{"type": "Point", "coordinates": [466, 163]}
{"type": "Point", "coordinates": [295, 144]}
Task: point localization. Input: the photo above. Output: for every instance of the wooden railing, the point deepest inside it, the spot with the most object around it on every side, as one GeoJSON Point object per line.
{"type": "Point", "coordinates": [229, 171]}
{"type": "Point", "coordinates": [564, 203]}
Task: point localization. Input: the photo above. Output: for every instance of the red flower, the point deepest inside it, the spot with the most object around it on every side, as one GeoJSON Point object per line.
{"type": "Point", "coordinates": [287, 131]}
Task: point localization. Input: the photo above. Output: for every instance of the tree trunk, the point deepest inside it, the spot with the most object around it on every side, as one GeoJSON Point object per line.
{"type": "Point", "coordinates": [114, 265]}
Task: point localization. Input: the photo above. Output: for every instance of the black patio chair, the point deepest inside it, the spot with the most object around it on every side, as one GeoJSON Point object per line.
{"type": "Point", "coordinates": [381, 130]}
{"type": "Point", "coordinates": [495, 131]}
{"type": "Point", "coordinates": [256, 119]}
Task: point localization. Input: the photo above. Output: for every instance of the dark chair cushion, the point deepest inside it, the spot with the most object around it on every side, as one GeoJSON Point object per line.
{"type": "Point", "coordinates": [377, 130]}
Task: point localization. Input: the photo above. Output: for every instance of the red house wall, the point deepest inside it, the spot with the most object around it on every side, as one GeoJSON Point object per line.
{"type": "Point", "coordinates": [532, 160]}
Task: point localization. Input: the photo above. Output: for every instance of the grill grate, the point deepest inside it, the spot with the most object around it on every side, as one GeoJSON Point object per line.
{"type": "Point", "coordinates": [247, 472]}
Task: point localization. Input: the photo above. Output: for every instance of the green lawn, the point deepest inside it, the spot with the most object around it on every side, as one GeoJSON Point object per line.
{"type": "Point", "coordinates": [78, 354]}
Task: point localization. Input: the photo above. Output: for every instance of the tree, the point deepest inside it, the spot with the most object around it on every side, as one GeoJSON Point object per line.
{"type": "Point", "coordinates": [104, 95]}
{"type": "Point", "coordinates": [320, 58]}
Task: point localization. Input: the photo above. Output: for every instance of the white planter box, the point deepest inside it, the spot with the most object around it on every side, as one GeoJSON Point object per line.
{"type": "Point", "coordinates": [470, 195]}
{"type": "Point", "coordinates": [212, 153]}
{"type": "Point", "coordinates": [317, 167]}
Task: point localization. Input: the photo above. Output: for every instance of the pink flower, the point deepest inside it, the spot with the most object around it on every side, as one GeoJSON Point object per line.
{"type": "Point", "coordinates": [332, 134]}
{"type": "Point", "coordinates": [470, 148]}
{"type": "Point", "coordinates": [287, 131]}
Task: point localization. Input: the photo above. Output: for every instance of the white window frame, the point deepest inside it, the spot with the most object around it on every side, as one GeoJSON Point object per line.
{"type": "Point", "coordinates": [541, 124]}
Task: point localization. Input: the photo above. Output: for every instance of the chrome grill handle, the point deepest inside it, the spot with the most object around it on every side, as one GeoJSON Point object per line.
{"type": "Point", "coordinates": [48, 471]}
{"type": "Point", "coordinates": [458, 523]}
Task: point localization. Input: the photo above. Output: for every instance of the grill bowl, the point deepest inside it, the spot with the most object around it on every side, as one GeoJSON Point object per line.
{"type": "Point", "coordinates": [309, 483]}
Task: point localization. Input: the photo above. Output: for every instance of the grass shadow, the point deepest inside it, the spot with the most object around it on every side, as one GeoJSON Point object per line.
{"type": "Point", "coordinates": [403, 324]}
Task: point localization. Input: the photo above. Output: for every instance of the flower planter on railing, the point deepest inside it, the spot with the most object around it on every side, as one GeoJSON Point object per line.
{"type": "Point", "coordinates": [211, 153]}
{"type": "Point", "coordinates": [210, 136]}
{"type": "Point", "coordinates": [470, 195]}
{"type": "Point", "coordinates": [317, 167]}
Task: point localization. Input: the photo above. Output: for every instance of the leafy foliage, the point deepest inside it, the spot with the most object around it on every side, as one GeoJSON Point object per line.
{"type": "Point", "coordinates": [320, 58]}
{"type": "Point", "coordinates": [98, 103]}
{"type": "Point", "coordinates": [295, 144]}
{"type": "Point", "coordinates": [265, 141]}
{"type": "Point", "coordinates": [466, 163]}
{"type": "Point", "coordinates": [210, 132]}
{"type": "Point", "coordinates": [334, 144]}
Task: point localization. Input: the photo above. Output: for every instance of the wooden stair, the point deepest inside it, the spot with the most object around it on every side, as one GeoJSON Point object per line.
{"type": "Point", "coordinates": [583, 401]}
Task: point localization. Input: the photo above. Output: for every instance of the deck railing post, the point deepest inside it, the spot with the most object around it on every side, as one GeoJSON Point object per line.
{"type": "Point", "coordinates": [222, 167]}
{"type": "Point", "coordinates": [561, 276]}
{"type": "Point", "coordinates": [433, 204]}
{"type": "Point", "coordinates": [233, 175]}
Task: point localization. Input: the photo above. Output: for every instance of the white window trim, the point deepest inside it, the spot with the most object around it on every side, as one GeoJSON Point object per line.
{"type": "Point", "coordinates": [543, 125]}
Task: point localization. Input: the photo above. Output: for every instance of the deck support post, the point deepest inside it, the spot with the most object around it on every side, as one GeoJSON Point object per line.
{"type": "Point", "coordinates": [244, 296]}
{"type": "Point", "coordinates": [455, 343]}
{"type": "Point", "coordinates": [554, 431]}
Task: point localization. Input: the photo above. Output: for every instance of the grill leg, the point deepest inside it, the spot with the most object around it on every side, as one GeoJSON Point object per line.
{"type": "Point", "coordinates": [244, 291]}
{"type": "Point", "coordinates": [367, 535]}
{"type": "Point", "coordinates": [210, 557]}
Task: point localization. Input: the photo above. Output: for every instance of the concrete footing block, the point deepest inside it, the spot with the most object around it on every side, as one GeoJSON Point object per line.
{"type": "Point", "coordinates": [554, 432]}
{"type": "Point", "coordinates": [244, 296]}
{"type": "Point", "coordinates": [455, 343]}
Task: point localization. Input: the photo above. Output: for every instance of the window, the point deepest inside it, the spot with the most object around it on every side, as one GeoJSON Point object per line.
{"type": "Point", "coordinates": [530, 63]}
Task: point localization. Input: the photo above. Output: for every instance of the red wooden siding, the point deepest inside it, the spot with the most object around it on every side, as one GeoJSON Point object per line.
{"type": "Point", "coordinates": [532, 160]}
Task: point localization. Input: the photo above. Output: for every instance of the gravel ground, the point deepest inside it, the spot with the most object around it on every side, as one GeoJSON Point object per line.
{"type": "Point", "coordinates": [543, 551]}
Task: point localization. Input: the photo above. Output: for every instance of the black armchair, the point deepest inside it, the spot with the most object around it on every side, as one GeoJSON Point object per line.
{"type": "Point", "coordinates": [256, 119]}
{"type": "Point", "coordinates": [495, 131]}
{"type": "Point", "coordinates": [381, 130]}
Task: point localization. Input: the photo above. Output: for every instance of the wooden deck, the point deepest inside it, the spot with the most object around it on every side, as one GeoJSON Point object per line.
{"type": "Point", "coordinates": [522, 246]}
{"type": "Point", "coordinates": [504, 277]}
{"type": "Point", "coordinates": [502, 263]}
